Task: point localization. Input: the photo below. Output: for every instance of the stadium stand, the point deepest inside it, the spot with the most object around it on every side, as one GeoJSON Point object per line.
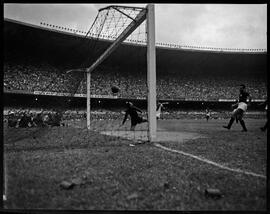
{"type": "Point", "coordinates": [45, 77]}
{"type": "Point", "coordinates": [38, 61]}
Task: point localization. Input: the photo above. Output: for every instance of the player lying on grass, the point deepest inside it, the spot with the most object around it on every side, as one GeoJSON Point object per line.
{"type": "Point", "coordinates": [160, 106]}
{"type": "Point", "coordinates": [135, 118]}
{"type": "Point", "coordinates": [240, 108]}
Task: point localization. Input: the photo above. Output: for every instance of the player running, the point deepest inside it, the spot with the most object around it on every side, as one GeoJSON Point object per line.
{"type": "Point", "coordinates": [160, 106]}
{"type": "Point", "coordinates": [241, 108]}
{"type": "Point", "coordinates": [135, 118]}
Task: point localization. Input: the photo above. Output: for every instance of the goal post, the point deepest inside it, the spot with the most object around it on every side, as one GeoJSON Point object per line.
{"type": "Point", "coordinates": [147, 14]}
{"type": "Point", "coordinates": [151, 72]}
{"type": "Point", "coordinates": [88, 102]}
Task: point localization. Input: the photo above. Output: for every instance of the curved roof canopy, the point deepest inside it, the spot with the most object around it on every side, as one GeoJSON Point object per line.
{"type": "Point", "coordinates": [60, 47]}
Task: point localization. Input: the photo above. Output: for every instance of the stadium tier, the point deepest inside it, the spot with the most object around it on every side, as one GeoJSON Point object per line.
{"type": "Point", "coordinates": [37, 58]}
{"type": "Point", "coordinates": [41, 77]}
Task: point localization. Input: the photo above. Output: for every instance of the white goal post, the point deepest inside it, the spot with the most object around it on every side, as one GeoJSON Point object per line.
{"type": "Point", "coordinates": [151, 73]}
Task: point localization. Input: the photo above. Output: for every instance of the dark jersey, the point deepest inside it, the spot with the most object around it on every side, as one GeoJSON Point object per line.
{"type": "Point", "coordinates": [132, 112]}
{"type": "Point", "coordinates": [243, 97]}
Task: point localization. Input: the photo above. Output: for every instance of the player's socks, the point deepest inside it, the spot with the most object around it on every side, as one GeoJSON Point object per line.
{"type": "Point", "coordinates": [242, 122]}
{"type": "Point", "coordinates": [230, 123]}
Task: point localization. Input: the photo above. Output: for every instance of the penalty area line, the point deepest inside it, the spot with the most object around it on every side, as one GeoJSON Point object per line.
{"type": "Point", "coordinates": [210, 162]}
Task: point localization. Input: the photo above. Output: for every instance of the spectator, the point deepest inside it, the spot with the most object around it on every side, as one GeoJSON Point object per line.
{"type": "Point", "coordinates": [39, 75]}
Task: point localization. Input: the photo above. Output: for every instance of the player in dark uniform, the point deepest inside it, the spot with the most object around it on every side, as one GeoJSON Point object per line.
{"type": "Point", "coordinates": [241, 107]}
{"type": "Point", "coordinates": [135, 118]}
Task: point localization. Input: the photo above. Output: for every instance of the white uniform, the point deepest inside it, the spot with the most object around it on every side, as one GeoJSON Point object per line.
{"type": "Point", "coordinates": [159, 111]}
{"type": "Point", "coordinates": [242, 106]}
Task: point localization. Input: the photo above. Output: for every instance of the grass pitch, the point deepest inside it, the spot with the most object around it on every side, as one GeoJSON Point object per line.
{"type": "Point", "coordinates": [112, 175]}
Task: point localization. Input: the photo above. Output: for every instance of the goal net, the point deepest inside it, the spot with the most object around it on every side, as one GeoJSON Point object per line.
{"type": "Point", "coordinates": [112, 84]}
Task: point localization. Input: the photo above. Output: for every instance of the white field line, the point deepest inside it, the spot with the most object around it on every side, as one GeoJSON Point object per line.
{"type": "Point", "coordinates": [210, 162]}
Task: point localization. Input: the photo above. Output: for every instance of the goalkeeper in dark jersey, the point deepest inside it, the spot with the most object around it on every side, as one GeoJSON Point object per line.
{"type": "Point", "coordinates": [240, 108]}
{"type": "Point", "coordinates": [132, 111]}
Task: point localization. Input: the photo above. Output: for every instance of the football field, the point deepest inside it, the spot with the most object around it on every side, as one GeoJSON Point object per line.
{"type": "Point", "coordinates": [114, 169]}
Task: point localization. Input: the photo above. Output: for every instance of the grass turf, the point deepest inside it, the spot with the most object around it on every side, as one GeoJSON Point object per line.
{"type": "Point", "coordinates": [115, 176]}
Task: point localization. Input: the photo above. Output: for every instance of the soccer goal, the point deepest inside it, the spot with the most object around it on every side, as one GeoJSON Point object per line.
{"type": "Point", "coordinates": [135, 28]}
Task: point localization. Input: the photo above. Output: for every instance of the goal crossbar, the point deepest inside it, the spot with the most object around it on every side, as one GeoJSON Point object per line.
{"type": "Point", "coordinates": [123, 7]}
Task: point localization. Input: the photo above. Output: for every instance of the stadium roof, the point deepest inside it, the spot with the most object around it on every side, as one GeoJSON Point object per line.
{"type": "Point", "coordinates": [64, 45]}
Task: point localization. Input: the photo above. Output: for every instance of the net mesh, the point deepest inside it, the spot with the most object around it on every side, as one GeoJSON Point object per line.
{"type": "Point", "coordinates": [108, 25]}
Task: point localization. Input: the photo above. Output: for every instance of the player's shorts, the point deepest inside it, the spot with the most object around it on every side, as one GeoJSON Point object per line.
{"type": "Point", "coordinates": [158, 115]}
{"type": "Point", "coordinates": [135, 121]}
{"type": "Point", "coordinates": [242, 106]}
{"type": "Point", "coordinates": [238, 113]}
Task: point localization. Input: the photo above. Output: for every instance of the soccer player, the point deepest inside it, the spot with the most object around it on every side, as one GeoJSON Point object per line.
{"type": "Point", "coordinates": [159, 108]}
{"type": "Point", "coordinates": [241, 108]}
{"type": "Point", "coordinates": [207, 116]}
{"type": "Point", "coordinates": [135, 118]}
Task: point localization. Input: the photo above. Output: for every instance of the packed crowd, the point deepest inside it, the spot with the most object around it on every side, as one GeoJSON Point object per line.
{"type": "Point", "coordinates": [44, 77]}
{"type": "Point", "coordinates": [39, 77]}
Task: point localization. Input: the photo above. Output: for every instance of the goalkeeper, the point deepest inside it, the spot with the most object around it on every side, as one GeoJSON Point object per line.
{"type": "Point", "coordinates": [135, 118]}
